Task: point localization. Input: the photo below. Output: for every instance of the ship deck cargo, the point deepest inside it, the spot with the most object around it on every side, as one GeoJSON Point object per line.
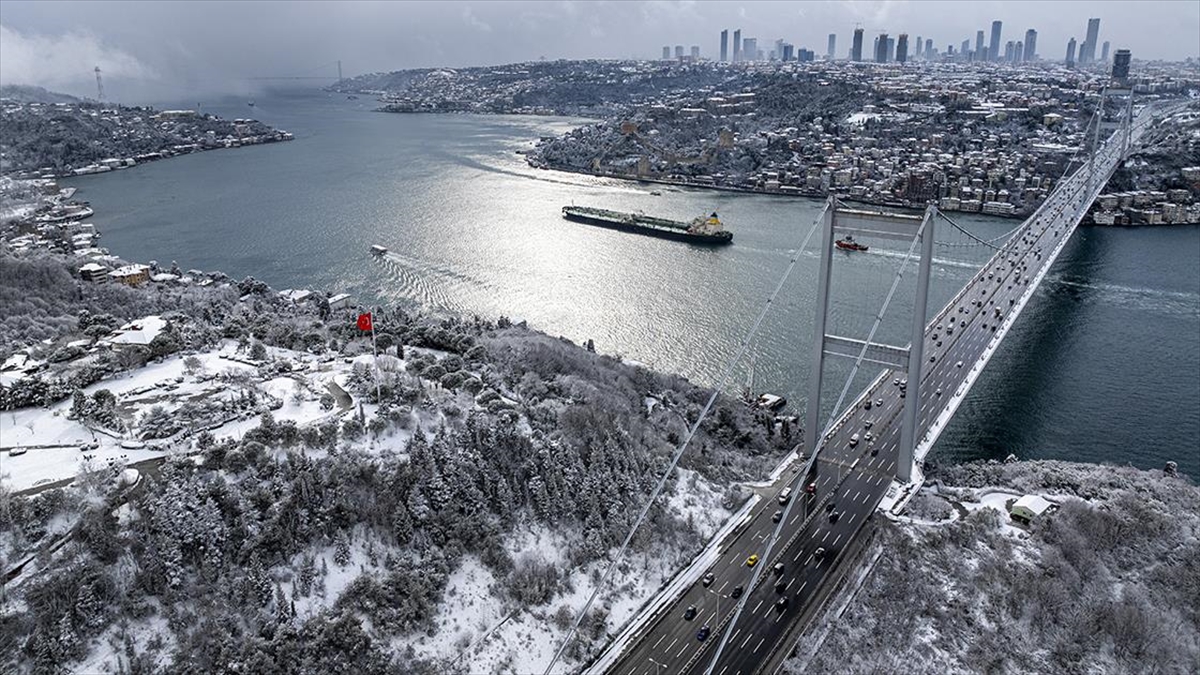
{"type": "Point", "coordinates": [706, 230]}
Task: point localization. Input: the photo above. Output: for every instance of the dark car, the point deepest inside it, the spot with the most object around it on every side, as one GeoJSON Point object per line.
{"type": "Point", "coordinates": [777, 516]}
{"type": "Point", "coordinates": [811, 488]}
{"type": "Point", "coordinates": [690, 613]}
{"type": "Point", "coordinates": [736, 592]}
{"type": "Point", "coordinates": [778, 569]}
{"type": "Point", "coordinates": [708, 579]}
{"type": "Point", "coordinates": [702, 634]}
{"type": "Point", "coordinates": [780, 586]}
{"type": "Point", "coordinates": [781, 604]}
{"type": "Point", "coordinates": [829, 507]}
{"type": "Point", "coordinates": [833, 517]}
{"type": "Point", "coordinates": [819, 554]}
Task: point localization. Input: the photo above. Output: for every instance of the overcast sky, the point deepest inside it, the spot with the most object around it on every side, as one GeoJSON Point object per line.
{"type": "Point", "coordinates": [187, 50]}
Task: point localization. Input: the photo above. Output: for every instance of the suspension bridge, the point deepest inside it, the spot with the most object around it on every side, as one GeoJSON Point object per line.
{"type": "Point", "coordinates": [322, 72]}
{"type": "Point", "coordinates": [742, 604]}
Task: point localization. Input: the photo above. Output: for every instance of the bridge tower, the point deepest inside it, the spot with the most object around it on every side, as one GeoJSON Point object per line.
{"type": "Point", "coordinates": [911, 358]}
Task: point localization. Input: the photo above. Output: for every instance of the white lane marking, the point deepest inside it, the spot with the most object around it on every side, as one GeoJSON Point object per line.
{"type": "Point", "coordinates": [760, 602]}
{"type": "Point", "coordinates": [681, 651]}
{"type": "Point", "coordinates": [746, 640]}
{"type": "Point", "coordinates": [760, 643]}
{"type": "Point", "coordinates": [825, 537]}
{"type": "Point", "coordinates": [672, 645]}
{"type": "Point", "coordinates": [835, 541]}
{"type": "Point", "coordinates": [664, 636]}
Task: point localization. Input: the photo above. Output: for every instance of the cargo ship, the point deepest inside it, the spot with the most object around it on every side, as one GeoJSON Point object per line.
{"type": "Point", "coordinates": [703, 230]}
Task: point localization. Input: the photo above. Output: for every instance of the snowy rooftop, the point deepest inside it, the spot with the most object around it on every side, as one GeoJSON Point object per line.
{"type": "Point", "coordinates": [140, 332]}
{"type": "Point", "coordinates": [92, 267]}
{"type": "Point", "coordinates": [295, 295]}
{"type": "Point", "coordinates": [1035, 503]}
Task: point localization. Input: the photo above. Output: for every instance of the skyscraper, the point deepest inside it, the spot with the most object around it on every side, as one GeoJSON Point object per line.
{"type": "Point", "coordinates": [695, 53]}
{"type": "Point", "coordinates": [1071, 52]}
{"type": "Point", "coordinates": [902, 48]}
{"type": "Point", "coordinates": [1104, 52]}
{"type": "Point", "coordinates": [1120, 69]}
{"type": "Point", "coordinates": [980, 55]}
{"type": "Point", "coordinates": [889, 54]}
{"type": "Point", "coordinates": [881, 48]}
{"type": "Point", "coordinates": [1030, 45]}
{"type": "Point", "coordinates": [965, 48]}
{"type": "Point", "coordinates": [787, 51]}
{"type": "Point", "coordinates": [928, 48]}
{"type": "Point", "coordinates": [856, 45]}
{"type": "Point", "coordinates": [1087, 53]}
{"type": "Point", "coordinates": [1009, 48]}
{"type": "Point", "coordinates": [725, 45]}
{"type": "Point", "coordinates": [750, 49]}
{"type": "Point", "coordinates": [1018, 52]}
{"type": "Point", "coordinates": [994, 52]}
{"type": "Point", "coordinates": [916, 50]}
{"type": "Point", "coordinates": [830, 52]}
{"type": "Point", "coordinates": [737, 45]}
{"type": "Point", "coordinates": [679, 51]}
{"type": "Point", "coordinates": [667, 53]}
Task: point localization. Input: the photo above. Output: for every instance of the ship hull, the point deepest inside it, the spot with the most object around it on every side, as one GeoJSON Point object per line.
{"type": "Point", "coordinates": [721, 239]}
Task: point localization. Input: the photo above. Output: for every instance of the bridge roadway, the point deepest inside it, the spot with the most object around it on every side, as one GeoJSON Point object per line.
{"type": "Point", "coordinates": [852, 479]}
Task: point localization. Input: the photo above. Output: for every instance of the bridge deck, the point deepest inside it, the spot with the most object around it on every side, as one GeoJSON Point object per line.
{"type": "Point", "coordinates": [852, 479]}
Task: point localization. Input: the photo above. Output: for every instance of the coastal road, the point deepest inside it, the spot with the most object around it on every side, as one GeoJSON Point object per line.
{"type": "Point", "coordinates": [855, 466]}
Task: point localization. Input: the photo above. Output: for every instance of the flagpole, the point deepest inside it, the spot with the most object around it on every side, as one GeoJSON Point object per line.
{"type": "Point", "coordinates": [375, 351]}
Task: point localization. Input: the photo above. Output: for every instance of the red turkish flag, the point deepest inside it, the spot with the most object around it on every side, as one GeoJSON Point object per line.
{"type": "Point", "coordinates": [364, 321]}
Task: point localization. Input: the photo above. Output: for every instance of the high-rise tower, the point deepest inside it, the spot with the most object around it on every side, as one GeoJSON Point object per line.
{"type": "Point", "coordinates": [1071, 52]}
{"type": "Point", "coordinates": [1104, 52]}
{"type": "Point", "coordinates": [980, 55]}
{"type": "Point", "coordinates": [902, 48]}
{"type": "Point", "coordinates": [994, 50]}
{"type": "Point", "coordinates": [856, 45]}
{"type": "Point", "coordinates": [1030, 45]}
{"type": "Point", "coordinates": [725, 45]}
{"type": "Point", "coordinates": [831, 50]}
{"type": "Point", "coordinates": [737, 45]}
{"type": "Point", "coordinates": [1087, 53]}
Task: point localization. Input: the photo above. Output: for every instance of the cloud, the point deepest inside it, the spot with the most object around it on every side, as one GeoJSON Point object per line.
{"type": "Point", "coordinates": [474, 21]}
{"type": "Point", "coordinates": [64, 62]}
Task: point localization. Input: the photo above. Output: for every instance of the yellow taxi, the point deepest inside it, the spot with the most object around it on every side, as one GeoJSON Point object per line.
{"type": "Point", "coordinates": [752, 560]}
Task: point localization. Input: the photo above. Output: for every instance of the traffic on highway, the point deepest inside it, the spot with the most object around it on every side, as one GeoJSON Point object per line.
{"type": "Point", "coordinates": [855, 464]}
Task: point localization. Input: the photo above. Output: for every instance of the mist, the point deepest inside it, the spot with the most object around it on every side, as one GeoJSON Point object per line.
{"type": "Point", "coordinates": [187, 50]}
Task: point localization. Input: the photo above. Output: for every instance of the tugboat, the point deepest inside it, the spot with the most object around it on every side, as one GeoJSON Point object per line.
{"type": "Point", "coordinates": [848, 244]}
{"type": "Point", "coordinates": [376, 249]}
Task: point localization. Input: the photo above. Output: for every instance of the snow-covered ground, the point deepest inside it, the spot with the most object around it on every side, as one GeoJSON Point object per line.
{"type": "Point", "coordinates": [48, 444]}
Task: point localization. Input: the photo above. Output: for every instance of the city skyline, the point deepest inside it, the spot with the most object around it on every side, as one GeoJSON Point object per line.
{"type": "Point", "coordinates": [188, 49]}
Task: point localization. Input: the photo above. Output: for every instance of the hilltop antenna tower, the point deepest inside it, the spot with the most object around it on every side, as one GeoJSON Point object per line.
{"type": "Point", "coordinates": [99, 86]}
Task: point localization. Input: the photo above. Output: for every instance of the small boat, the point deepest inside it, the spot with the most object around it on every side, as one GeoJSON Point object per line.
{"type": "Point", "coordinates": [656, 193]}
{"type": "Point", "coordinates": [251, 104]}
{"type": "Point", "coordinates": [376, 249]}
{"type": "Point", "coordinates": [848, 244]}
{"type": "Point", "coordinates": [352, 97]}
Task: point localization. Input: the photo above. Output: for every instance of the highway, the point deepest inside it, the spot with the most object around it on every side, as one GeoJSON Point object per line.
{"type": "Point", "coordinates": [856, 463]}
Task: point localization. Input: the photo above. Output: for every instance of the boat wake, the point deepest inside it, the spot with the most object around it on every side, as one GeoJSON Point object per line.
{"type": "Point", "coordinates": [1176, 303]}
{"type": "Point", "coordinates": [426, 283]}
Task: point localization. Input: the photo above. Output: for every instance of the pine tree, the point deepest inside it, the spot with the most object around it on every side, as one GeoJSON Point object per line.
{"type": "Point", "coordinates": [341, 549]}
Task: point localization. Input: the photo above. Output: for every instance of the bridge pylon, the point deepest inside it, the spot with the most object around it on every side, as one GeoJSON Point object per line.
{"type": "Point", "coordinates": [873, 224]}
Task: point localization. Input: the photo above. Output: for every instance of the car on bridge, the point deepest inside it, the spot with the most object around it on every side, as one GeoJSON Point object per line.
{"type": "Point", "coordinates": [703, 633]}
{"type": "Point", "coordinates": [708, 579]}
{"type": "Point", "coordinates": [752, 560]}
{"type": "Point", "coordinates": [736, 592]}
{"type": "Point", "coordinates": [689, 613]}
